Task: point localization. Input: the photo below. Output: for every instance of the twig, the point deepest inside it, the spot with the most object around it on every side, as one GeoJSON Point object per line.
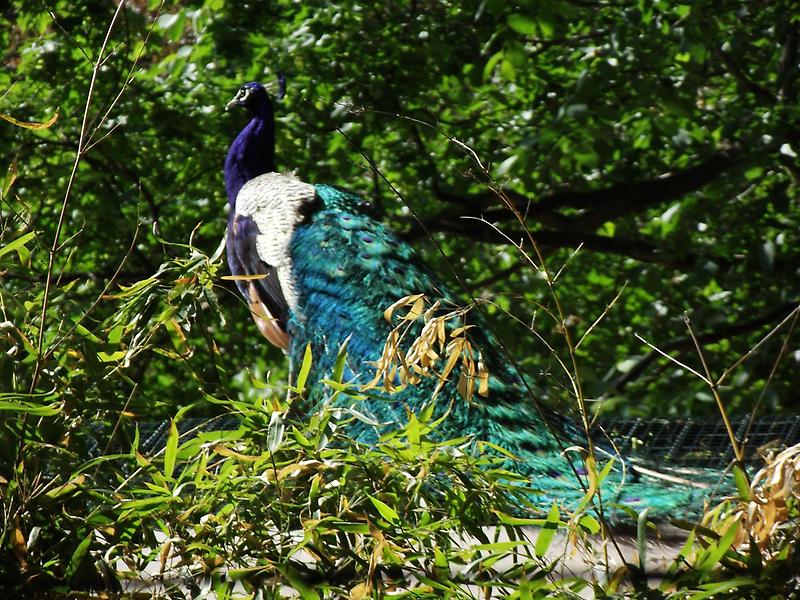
{"type": "Point", "coordinates": [608, 308]}
{"type": "Point", "coordinates": [760, 92]}
{"type": "Point", "coordinates": [62, 215]}
{"type": "Point", "coordinates": [675, 360]}
{"type": "Point", "coordinates": [781, 353]}
{"type": "Point", "coordinates": [755, 348]}
{"type": "Point", "coordinates": [56, 343]}
{"type": "Point", "coordinates": [497, 276]}
{"type": "Point", "coordinates": [684, 343]}
{"type": "Point", "coordinates": [566, 262]}
{"type": "Point", "coordinates": [737, 450]}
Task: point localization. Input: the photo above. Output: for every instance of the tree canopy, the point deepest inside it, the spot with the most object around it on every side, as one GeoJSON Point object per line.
{"type": "Point", "coordinates": [615, 181]}
{"type": "Point", "coordinates": [649, 145]}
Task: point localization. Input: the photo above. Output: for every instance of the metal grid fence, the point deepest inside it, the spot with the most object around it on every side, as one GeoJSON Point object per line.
{"type": "Point", "coordinates": [688, 442]}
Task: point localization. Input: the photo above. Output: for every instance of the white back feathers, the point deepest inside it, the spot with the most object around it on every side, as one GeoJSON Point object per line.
{"type": "Point", "coordinates": [274, 201]}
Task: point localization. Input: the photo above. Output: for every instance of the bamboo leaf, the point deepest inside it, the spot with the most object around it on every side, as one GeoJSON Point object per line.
{"type": "Point", "coordinates": [545, 537]}
{"type": "Point", "coordinates": [18, 244]}
{"type": "Point", "coordinates": [341, 358]}
{"type": "Point", "coordinates": [641, 538]}
{"type": "Point", "coordinates": [716, 551]}
{"type": "Point", "coordinates": [305, 369]}
{"type": "Point", "coordinates": [171, 451]}
{"type": "Point", "coordinates": [742, 485]}
{"type": "Point", "coordinates": [275, 431]}
{"type": "Point", "coordinates": [31, 124]}
{"type": "Point", "coordinates": [78, 555]}
{"type": "Point", "coordinates": [386, 511]}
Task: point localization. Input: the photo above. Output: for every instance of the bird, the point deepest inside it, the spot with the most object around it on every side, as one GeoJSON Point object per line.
{"type": "Point", "coordinates": [318, 270]}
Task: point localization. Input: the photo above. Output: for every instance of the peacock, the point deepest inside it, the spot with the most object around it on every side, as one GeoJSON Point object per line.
{"type": "Point", "coordinates": [317, 269]}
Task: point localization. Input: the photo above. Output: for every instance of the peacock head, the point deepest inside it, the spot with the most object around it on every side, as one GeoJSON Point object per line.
{"type": "Point", "coordinates": [254, 97]}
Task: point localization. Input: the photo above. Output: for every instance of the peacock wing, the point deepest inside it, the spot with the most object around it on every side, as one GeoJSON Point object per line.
{"type": "Point", "coordinates": [268, 210]}
{"type": "Point", "coordinates": [257, 281]}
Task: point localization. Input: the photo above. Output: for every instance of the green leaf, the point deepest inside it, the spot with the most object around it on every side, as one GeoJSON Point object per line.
{"type": "Point", "coordinates": [765, 252]}
{"type": "Point", "coordinates": [742, 484]}
{"type": "Point", "coordinates": [641, 538]}
{"type": "Point", "coordinates": [499, 546]}
{"type": "Point", "coordinates": [275, 431]}
{"type": "Point", "coordinates": [509, 520]}
{"type": "Point", "coordinates": [341, 357]}
{"type": "Point", "coordinates": [107, 357]}
{"type": "Point", "coordinates": [522, 23]}
{"type": "Point", "coordinates": [488, 69]}
{"type": "Point", "coordinates": [716, 551]}
{"type": "Point", "coordinates": [504, 167]}
{"type": "Point", "coordinates": [305, 369]}
{"type": "Point", "coordinates": [171, 451]}
{"type": "Point", "coordinates": [589, 523]}
{"type": "Point", "coordinates": [412, 430]}
{"type": "Point", "coordinates": [78, 555]}
{"type": "Point", "coordinates": [172, 24]}
{"type": "Point", "coordinates": [546, 22]}
{"type": "Point", "coordinates": [545, 537]}
{"type": "Point", "coordinates": [386, 511]}
{"type": "Point", "coordinates": [711, 589]}
{"type": "Point", "coordinates": [17, 403]}
{"type": "Point", "coordinates": [18, 245]}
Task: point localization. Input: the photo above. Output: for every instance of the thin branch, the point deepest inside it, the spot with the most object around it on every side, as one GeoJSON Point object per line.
{"type": "Point", "coordinates": [781, 354]}
{"type": "Point", "coordinates": [619, 199]}
{"type": "Point", "coordinates": [787, 67]}
{"type": "Point", "coordinates": [607, 309]}
{"type": "Point", "coordinates": [737, 450]}
{"type": "Point", "coordinates": [760, 92]}
{"type": "Point", "coordinates": [757, 347]}
{"type": "Point", "coordinates": [640, 250]}
{"type": "Point", "coordinates": [673, 359]}
{"type": "Point", "coordinates": [685, 343]}
{"type": "Point", "coordinates": [58, 341]}
{"type": "Point", "coordinates": [566, 263]}
{"type": "Point", "coordinates": [497, 276]}
{"type": "Point", "coordinates": [67, 194]}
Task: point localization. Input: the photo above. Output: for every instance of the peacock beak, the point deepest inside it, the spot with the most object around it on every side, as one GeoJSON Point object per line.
{"type": "Point", "coordinates": [240, 99]}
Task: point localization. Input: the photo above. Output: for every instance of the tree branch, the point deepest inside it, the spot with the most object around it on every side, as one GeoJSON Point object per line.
{"type": "Point", "coordinates": [635, 197]}
{"type": "Point", "coordinates": [760, 92]}
{"type": "Point", "coordinates": [479, 230]}
{"type": "Point", "coordinates": [686, 343]}
{"type": "Point", "coordinates": [787, 67]}
{"type": "Point", "coordinates": [599, 206]}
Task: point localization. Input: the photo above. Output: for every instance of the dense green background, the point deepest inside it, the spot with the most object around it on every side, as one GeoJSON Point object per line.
{"type": "Point", "coordinates": [660, 138]}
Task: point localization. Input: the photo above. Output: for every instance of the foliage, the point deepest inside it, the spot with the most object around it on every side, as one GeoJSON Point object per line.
{"type": "Point", "coordinates": [659, 138]}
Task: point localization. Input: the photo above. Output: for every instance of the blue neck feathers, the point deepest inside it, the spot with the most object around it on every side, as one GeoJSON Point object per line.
{"type": "Point", "coordinates": [251, 154]}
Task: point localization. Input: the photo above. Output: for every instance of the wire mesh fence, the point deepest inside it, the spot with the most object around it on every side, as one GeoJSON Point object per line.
{"type": "Point", "coordinates": [688, 442]}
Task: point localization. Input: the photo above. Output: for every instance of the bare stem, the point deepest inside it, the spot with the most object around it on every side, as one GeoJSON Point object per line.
{"type": "Point", "coordinates": [737, 450]}
{"type": "Point", "coordinates": [781, 353]}
{"type": "Point", "coordinates": [608, 308]}
{"type": "Point", "coordinates": [61, 217]}
{"type": "Point", "coordinates": [792, 315]}
{"type": "Point", "coordinates": [673, 359]}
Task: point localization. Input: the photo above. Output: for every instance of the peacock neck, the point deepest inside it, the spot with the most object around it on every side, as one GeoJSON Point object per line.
{"type": "Point", "coordinates": [251, 154]}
